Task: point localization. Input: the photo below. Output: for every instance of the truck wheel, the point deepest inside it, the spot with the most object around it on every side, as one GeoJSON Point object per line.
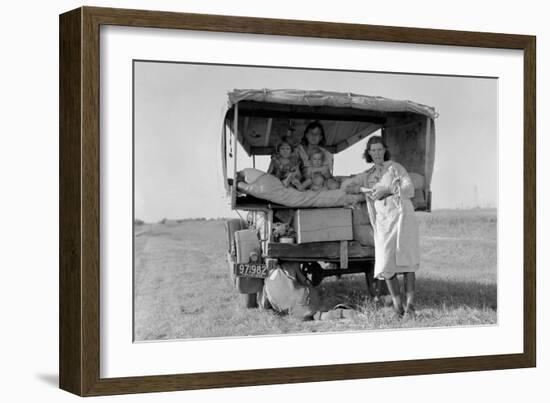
{"type": "Point", "coordinates": [250, 300]}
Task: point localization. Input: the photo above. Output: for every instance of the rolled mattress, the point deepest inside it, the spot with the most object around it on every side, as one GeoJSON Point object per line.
{"type": "Point", "coordinates": [265, 186]}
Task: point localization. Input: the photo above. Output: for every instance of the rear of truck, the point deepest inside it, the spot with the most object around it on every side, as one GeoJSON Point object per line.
{"type": "Point", "coordinates": [325, 240]}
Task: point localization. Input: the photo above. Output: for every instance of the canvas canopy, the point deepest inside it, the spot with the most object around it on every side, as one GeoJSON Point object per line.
{"type": "Point", "coordinates": [260, 118]}
{"type": "Point", "coordinates": [266, 116]}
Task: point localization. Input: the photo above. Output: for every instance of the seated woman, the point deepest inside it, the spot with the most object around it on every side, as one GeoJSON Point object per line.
{"type": "Point", "coordinates": [285, 165]}
{"type": "Point", "coordinates": [388, 189]}
{"type": "Point", "coordinates": [313, 140]}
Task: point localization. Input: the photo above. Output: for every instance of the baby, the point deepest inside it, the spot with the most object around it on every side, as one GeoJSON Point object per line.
{"type": "Point", "coordinates": [285, 165]}
{"type": "Point", "coordinates": [316, 167]}
{"type": "Point", "coordinates": [317, 182]}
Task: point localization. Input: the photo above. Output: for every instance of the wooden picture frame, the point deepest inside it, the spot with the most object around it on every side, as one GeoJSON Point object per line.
{"type": "Point", "coordinates": [79, 279]}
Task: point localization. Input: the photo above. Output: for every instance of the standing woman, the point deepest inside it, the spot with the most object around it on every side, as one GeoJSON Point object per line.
{"type": "Point", "coordinates": [388, 190]}
{"type": "Point", "coordinates": [313, 140]}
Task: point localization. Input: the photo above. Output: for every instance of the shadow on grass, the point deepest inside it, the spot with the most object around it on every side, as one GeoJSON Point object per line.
{"type": "Point", "coordinates": [429, 292]}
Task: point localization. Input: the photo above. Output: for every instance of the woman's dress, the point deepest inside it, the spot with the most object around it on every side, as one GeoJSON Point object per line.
{"type": "Point", "coordinates": [396, 235]}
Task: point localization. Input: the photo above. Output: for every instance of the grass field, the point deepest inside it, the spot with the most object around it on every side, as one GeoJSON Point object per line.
{"type": "Point", "coordinates": [183, 288]}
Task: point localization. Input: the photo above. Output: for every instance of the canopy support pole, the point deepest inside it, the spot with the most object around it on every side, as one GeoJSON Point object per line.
{"type": "Point", "coordinates": [236, 134]}
{"type": "Point", "coordinates": [427, 192]}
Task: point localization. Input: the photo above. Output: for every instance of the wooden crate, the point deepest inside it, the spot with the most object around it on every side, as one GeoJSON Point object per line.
{"type": "Point", "coordinates": [323, 225]}
{"type": "Point", "coordinates": [316, 251]}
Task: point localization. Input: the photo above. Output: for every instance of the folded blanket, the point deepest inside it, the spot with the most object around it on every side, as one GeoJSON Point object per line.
{"type": "Point", "coordinates": [264, 186]}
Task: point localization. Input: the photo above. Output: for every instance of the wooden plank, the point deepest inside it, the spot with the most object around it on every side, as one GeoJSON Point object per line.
{"type": "Point", "coordinates": [323, 225]}
{"type": "Point", "coordinates": [316, 29]}
{"type": "Point", "coordinates": [318, 250]}
{"type": "Point", "coordinates": [530, 208]}
{"type": "Point", "coordinates": [90, 171]}
{"type": "Point", "coordinates": [343, 254]}
{"type": "Point", "coordinates": [70, 209]}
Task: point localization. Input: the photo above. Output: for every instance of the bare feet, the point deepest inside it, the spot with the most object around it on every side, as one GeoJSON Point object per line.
{"type": "Point", "coordinates": [410, 312]}
{"type": "Point", "coordinates": [398, 312]}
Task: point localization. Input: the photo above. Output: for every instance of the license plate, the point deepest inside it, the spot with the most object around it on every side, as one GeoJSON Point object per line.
{"type": "Point", "coordinates": [256, 270]}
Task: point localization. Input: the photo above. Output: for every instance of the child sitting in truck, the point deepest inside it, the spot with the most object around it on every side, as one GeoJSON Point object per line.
{"type": "Point", "coordinates": [286, 165]}
{"type": "Point", "coordinates": [316, 169]}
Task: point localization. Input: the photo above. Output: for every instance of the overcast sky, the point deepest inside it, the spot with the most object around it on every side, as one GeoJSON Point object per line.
{"type": "Point", "coordinates": [178, 119]}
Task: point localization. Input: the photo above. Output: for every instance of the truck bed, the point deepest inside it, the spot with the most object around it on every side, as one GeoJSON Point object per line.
{"type": "Point", "coordinates": [318, 251]}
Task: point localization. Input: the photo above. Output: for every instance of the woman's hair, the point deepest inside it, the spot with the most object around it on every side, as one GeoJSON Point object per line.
{"type": "Point", "coordinates": [376, 140]}
{"type": "Point", "coordinates": [282, 142]}
{"type": "Point", "coordinates": [314, 125]}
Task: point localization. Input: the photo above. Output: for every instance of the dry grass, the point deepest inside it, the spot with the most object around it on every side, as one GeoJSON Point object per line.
{"type": "Point", "coordinates": [183, 290]}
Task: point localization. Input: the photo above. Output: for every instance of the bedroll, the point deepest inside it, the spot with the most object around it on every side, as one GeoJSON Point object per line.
{"type": "Point", "coordinates": [288, 291]}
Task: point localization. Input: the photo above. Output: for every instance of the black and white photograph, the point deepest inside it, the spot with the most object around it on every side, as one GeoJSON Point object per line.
{"type": "Point", "coordinates": [273, 201]}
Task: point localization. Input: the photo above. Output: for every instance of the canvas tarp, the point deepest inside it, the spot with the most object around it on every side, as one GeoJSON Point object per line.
{"type": "Point", "coordinates": [330, 98]}
{"type": "Point", "coordinates": [268, 116]}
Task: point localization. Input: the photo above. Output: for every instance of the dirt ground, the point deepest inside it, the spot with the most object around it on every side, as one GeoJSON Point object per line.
{"type": "Point", "coordinates": [183, 288]}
